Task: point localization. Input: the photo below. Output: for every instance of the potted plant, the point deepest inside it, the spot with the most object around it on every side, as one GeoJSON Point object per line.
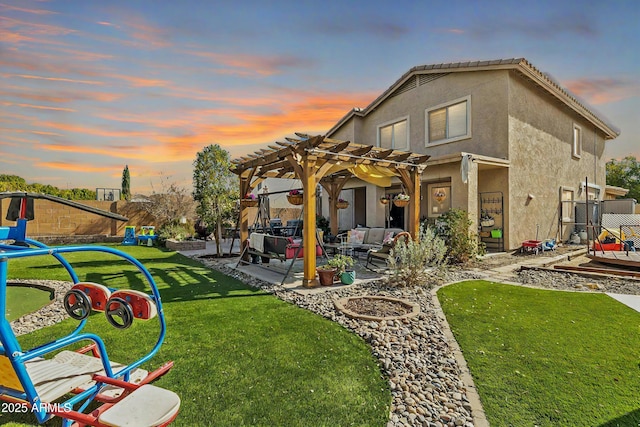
{"type": "Point", "coordinates": [342, 204]}
{"type": "Point", "coordinates": [249, 200]}
{"type": "Point", "coordinates": [326, 274]}
{"type": "Point", "coordinates": [401, 200]}
{"type": "Point", "coordinates": [342, 264]}
{"type": "Point", "coordinates": [295, 197]}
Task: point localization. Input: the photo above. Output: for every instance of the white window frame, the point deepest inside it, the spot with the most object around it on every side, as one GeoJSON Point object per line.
{"type": "Point", "coordinates": [428, 143]}
{"type": "Point", "coordinates": [567, 205]}
{"type": "Point", "coordinates": [394, 142]}
{"type": "Point", "coordinates": [576, 148]}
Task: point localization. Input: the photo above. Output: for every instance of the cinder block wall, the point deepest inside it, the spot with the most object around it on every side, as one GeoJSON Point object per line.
{"type": "Point", "coordinates": [54, 219]}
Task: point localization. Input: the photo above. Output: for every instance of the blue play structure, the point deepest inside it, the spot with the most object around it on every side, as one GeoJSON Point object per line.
{"type": "Point", "coordinates": [129, 236]}
{"type": "Point", "coordinates": [146, 237]}
{"type": "Point", "coordinates": [83, 387]}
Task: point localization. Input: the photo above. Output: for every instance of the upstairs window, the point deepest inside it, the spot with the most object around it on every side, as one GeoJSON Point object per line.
{"type": "Point", "coordinates": [448, 122]}
{"type": "Point", "coordinates": [577, 142]}
{"type": "Point", "coordinates": [394, 134]}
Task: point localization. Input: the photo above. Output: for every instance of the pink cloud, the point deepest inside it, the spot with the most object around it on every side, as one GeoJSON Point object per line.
{"type": "Point", "coordinates": [603, 90]}
{"type": "Point", "coordinates": [27, 10]}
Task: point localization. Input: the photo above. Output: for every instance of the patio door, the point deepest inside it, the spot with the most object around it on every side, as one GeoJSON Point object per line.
{"type": "Point", "coordinates": [396, 215]}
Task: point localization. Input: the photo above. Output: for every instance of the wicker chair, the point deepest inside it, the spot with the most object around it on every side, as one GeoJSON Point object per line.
{"type": "Point", "coordinates": [384, 252]}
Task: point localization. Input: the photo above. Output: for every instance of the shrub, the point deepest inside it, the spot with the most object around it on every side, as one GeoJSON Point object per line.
{"type": "Point", "coordinates": [409, 262]}
{"type": "Point", "coordinates": [176, 230]}
{"type": "Point", "coordinates": [462, 244]}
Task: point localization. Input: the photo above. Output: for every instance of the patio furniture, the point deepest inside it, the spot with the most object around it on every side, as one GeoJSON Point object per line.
{"type": "Point", "coordinates": [384, 253]}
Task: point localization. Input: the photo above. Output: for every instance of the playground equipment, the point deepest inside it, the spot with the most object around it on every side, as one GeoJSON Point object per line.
{"type": "Point", "coordinates": [147, 235]}
{"type": "Point", "coordinates": [130, 238]}
{"type": "Point", "coordinates": [82, 387]}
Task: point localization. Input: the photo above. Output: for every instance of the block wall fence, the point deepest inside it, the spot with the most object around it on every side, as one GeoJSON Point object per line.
{"type": "Point", "coordinates": [54, 219]}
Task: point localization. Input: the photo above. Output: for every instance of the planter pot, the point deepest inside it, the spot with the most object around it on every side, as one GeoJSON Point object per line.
{"type": "Point", "coordinates": [342, 205]}
{"type": "Point", "coordinates": [250, 203]}
{"type": "Point", "coordinates": [348, 277]}
{"type": "Point", "coordinates": [496, 234]}
{"type": "Point", "coordinates": [295, 199]}
{"type": "Point", "coordinates": [326, 276]}
{"type": "Point", "coordinates": [401, 203]}
{"type": "Point", "coordinates": [487, 223]}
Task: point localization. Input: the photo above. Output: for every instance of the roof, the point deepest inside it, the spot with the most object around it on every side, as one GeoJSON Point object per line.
{"type": "Point", "coordinates": [521, 65]}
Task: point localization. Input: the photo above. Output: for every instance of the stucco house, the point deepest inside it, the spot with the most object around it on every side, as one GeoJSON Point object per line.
{"type": "Point", "coordinates": [507, 144]}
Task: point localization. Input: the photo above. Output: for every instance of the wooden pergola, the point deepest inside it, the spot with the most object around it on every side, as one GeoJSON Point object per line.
{"type": "Point", "coordinates": [331, 163]}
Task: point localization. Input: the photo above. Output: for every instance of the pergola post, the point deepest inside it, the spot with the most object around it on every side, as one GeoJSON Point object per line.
{"type": "Point", "coordinates": [309, 221]}
{"type": "Point", "coordinates": [333, 186]}
{"type": "Point", "coordinates": [411, 181]}
{"type": "Point", "coordinates": [244, 213]}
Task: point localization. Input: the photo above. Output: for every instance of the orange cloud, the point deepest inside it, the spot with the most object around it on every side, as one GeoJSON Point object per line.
{"type": "Point", "coordinates": [308, 115]}
{"type": "Point", "coordinates": [56, 79]}
{"type": "Point", "coordinates": [87, 130]}
{"type": "Point", "coordinates": [122, 152]}
{"type": "Point", "coordinates": [39, 107]}
{"type": "Point", "coordinates": [254, 64]}
{"type": "Point", "coordinates": [74, 167]}
{"type": "Point", "coordinates": [140, 81]}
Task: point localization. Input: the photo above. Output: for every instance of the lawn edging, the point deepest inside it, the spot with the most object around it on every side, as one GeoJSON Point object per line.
{"type": "Point", "coordinates": [477, 410]}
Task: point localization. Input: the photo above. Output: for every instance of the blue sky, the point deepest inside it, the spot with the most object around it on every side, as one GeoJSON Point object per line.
{"type": "Point", "coordinates": [89, 86]}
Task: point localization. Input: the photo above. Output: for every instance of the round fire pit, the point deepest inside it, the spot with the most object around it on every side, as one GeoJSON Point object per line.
{"type": "Point", "coordinates": [373, 307]}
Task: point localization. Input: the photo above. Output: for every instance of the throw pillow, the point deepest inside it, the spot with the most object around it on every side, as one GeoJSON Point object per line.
{"type": "Point", "coordinates": [357, 237]}
{"type": "Point", "coordinates": [388, 238]}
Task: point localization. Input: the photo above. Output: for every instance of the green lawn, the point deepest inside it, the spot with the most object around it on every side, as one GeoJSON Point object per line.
{"type": "Point", "coordinates": [23, 300]}
{"type": "Point", "coordinates": [548, 358]}
{"type": "Point", "coordinates": [242, 357]}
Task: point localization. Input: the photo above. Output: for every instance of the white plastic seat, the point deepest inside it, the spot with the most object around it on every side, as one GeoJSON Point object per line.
{"type": "Point", "coordinates": [148, 406]}
{"type": "Point", "coordinates": [69, 370]}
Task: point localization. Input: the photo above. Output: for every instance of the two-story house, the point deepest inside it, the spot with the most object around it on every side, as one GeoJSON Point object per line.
{"type": "Point", "coordinates": [507, 144]}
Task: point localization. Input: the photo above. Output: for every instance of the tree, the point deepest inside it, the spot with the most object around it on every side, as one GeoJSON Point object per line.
{"type": "Point", "coordinates": [126, 184]}
{"type": "Point", "coordinates": [625, 173]}
{"type": "Point", "coordinates": [214, 188]}
{"type": "Point", "coordinates": [170, 204]}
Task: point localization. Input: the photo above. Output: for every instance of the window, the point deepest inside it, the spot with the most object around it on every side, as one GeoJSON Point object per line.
{"type": "Point", "coordinates": [448, 123]}
{"type": "Point", "coordinates": [566, 198]}
{"type": "Point", "coordinates": [394, 134]}
{"type": "Point", "coordinates": [577, 141]}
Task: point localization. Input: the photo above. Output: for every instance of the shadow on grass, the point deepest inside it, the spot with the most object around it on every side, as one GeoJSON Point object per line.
{"type": "Point", "coordinates": [178, 278]}
{"type": "Point", "coordinates": [630, 419]}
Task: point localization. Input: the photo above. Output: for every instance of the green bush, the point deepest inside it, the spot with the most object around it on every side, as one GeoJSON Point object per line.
{"type": "Point", "coordinates": [462, 244]}
{"type": "Point", "coordinates": [409, 262]}
{"type": "Point", "coordinates": [176, 230]}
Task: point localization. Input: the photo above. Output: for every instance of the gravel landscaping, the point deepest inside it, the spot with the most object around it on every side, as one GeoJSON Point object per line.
{"type": "Point", "coordinates": [428, 380]}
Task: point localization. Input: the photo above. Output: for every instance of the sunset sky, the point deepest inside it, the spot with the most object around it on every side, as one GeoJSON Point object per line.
{"type": "Point", "coordinates": [88, 87]}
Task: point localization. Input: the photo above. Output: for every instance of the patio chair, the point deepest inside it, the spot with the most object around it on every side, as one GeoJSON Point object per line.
{"type": "Point", "coordinates": [384, 253]}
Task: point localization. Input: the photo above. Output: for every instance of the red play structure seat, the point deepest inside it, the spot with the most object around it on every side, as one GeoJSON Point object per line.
{"type": "Point", "coordinates": [98, 294]}
{"type": "Point", "coordinates": [142, 305]}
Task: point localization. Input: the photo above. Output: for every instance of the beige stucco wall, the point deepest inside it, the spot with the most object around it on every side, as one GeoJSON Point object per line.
{"type": "Point", "coordinates": [542, 162]}
{"type": "Point", "coordinates": [510, 119]}
{"type": "Point", "coordinates": [489, 104]}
